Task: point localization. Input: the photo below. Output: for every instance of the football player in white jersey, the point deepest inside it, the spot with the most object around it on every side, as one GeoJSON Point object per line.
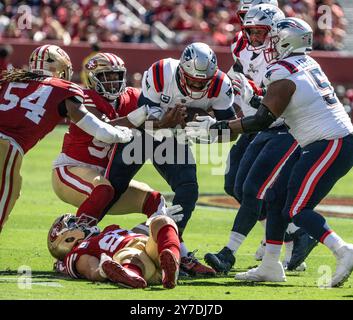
{"type": "Point", "coordinates": [192, 81]}
{"type": "Point", "coordinates": [253, 162]}
{"type": "Point", "coordinates": [299, 91]}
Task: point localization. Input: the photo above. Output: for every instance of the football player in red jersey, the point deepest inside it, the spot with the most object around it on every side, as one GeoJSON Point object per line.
{"type": "Point", "coordinates": [78, 174]}
{"type": "Point", "coordinates": [121, 256]}
{"type": "Point", "coordinates": [32, 103]}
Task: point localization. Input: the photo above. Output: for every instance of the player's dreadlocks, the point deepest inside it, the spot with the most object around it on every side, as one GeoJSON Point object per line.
{"type": "Point", "coordinates": [18, 75]}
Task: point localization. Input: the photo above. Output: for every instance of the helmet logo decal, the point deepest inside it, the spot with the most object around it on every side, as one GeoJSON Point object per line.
{"type": "Point", "coordinates": [187, 54]}
{"type": "Point", "coordinates": [270, 13]}
{"type": "Point", "coordinates": [92, 64]}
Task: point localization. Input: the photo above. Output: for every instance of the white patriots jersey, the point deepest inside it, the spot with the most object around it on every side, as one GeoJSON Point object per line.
{"type": "Point", "coordinates": [253, 63]}
{"type": "Point", "coordinates": [161, 86]}
{"type": "Point", "coordinates": [254, 67]}
{"type": "Point", "coordinates": [314, 112]}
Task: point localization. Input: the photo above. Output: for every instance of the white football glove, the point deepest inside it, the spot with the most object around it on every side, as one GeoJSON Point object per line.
{"type": "Point", "coordinates": [199, 131]}
{"type": "Point", "coordinates": [123, 134]}
{"type": "Point", "coordinates": [170, 212]}
{"type": "Point", "coordinates": [242, 87]}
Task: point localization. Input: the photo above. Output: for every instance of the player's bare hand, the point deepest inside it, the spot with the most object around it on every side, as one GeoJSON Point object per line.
{"type": "Point", "coordinates": [173, 117]}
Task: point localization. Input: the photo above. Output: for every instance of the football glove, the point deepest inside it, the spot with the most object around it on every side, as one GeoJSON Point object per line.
{"type": "Point", "coordinates": [199, 131]}
{"type": "Point", "coordinates": [171, 212]}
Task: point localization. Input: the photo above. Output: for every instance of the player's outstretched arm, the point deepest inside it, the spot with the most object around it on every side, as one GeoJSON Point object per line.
{"type": "Point", "coordinates": [89, 123]}
{"type": "Point", "coordinates": [88, 267]}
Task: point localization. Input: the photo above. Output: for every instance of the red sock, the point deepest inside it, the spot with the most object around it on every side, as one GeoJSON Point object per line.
{"type": "Point", "coordinates": [94, 205]}
{"type": "Point", "coordinates": [151, 203]}
{"type": "Point", "coordinates": [167, 238]}
{"type": "Point", "coordinates": [134, 268]}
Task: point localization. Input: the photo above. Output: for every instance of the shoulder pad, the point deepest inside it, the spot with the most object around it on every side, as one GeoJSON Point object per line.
{"type": "Point", "coordinates": [279, 70]}
{"type": "Point", "coordinates": [239, 44]}
{"type": "Point", "coordinates": [161, 73]}
{"type": "Point", "coordinates": [216, 85]}
{"type": "Point", "coordinates": [72, 89]}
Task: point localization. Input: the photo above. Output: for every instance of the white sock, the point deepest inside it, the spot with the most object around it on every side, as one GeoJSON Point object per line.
{"type": "Point", "coordinates": [289, 249]}
{"type": "Point", "coordinates": [292, 228]}
{"type": "Point", "coordinates": [333, 242]}
{"type": "Point", "coordinates": [183, 250]}
{"type": "Point", "coordinates": [272, 253]}
{"type": "Point", "coordinates": [235, 241]}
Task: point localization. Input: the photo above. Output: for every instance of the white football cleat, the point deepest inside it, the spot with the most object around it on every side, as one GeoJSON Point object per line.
{"type": "Point", "coordinates": [344, 265]}
{"type": "Point", "coordinates": [260, 252]}
{"type": "Point", "coordinates": [273, 272]}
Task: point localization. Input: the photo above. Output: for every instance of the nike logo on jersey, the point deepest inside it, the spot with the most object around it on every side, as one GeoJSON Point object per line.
{"type": "Point", "coordinates": [304, 152]}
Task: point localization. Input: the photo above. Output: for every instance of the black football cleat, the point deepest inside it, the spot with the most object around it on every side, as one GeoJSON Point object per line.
{"type": "Point", "coordinates": [303, 244]}
{"type": "Point", "coordinates": [222, 261]}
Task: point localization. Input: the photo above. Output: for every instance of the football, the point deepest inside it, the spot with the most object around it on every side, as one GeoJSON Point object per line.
{"type": "Point", "coordinates": [193, 112]}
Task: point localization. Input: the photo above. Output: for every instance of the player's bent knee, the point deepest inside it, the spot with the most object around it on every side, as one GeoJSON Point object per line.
{"type": "Point", "coordinates": [139, 258]}
{"type": "Point", "coordinates": [158, 223]}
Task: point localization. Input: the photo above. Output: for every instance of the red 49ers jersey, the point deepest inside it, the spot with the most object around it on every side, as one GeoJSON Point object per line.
{"type": "Point", "coordinates": [83, 147]}
{"type": "Point", "coordinates": [29, 110]}
{"type": "Point", "coordinates": [109, 241]}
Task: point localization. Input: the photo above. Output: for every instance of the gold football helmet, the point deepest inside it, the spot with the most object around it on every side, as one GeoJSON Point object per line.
{"type": "Point", "coordinates": [63, 235]}
{"type": "Point", "coordinates": [106, 74]}
{"type": "Point", "coordinates": [50, 60]}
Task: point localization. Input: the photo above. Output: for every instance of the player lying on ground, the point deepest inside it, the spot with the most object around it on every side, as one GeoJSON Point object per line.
{"type": "Point", "coordinates": [78, 173]}
{"type": "Point", "coordinates": [32, 103]}
{"type": "Point", "coordinates": [118, 255]}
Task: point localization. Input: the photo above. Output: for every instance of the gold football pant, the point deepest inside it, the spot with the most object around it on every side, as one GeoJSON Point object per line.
{"type": "Point", "coordinates": [10, 178]}
{"type": "Point", "coordinates": [143, 251]}
{"type": "Point", "coordinates": [74, 185]}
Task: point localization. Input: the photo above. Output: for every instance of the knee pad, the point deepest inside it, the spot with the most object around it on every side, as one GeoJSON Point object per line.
{"type": "Point", "coordinates": [158, 223]}
{"type": "Point", "coordinates": [139, 258]}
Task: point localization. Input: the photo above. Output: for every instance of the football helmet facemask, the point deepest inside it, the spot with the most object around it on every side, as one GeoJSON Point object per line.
{"type": "Point", "coordinates": [260, 28]}
{"type": "Point", "coordinates": [52, 61]}
{"type": "Point", "coordinates": [197, 68]}
{"type": "Point", "coordinates": [106, 74]}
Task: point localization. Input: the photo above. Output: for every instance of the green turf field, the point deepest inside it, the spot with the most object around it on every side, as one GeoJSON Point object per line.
{"type": "Point", "coordinates": [23, 243]}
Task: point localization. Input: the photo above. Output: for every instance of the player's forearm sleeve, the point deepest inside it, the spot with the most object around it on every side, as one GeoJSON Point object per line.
{"type": "Point", "coordinates": [100, 130]}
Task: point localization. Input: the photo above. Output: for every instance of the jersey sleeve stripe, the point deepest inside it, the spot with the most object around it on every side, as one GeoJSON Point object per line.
{"type": "Point", "coordinates": [158, 77]}
{"type": "Point", "coordinates": [240, 46]}
{"type": "Point", "coordinates": [290, 67]}
{"type": "Point", "coordinates": [70, 265]}
{"type": "Point", "coordinates": [217, 85]}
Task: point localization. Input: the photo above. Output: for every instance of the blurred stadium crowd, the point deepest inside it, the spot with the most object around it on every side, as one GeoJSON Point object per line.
{"type": "Point", "coordinates": [212, 21]}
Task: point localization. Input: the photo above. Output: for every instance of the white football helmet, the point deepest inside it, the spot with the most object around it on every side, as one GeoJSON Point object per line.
{"type": "Point", "coordinates": [52, 61]}
{"type": "Point", "coordinates": [106, 74]}
{"type": "Point", "coordinates": [197, 68]}
{"type": "Point", "coordinates": [64, 234]}
{"type": "Point", "coordinates": [262, 17]}
{"type": "Point", "coordinates": [246, 5]}
{"type": "Point", "coordinates": [294, 36]}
